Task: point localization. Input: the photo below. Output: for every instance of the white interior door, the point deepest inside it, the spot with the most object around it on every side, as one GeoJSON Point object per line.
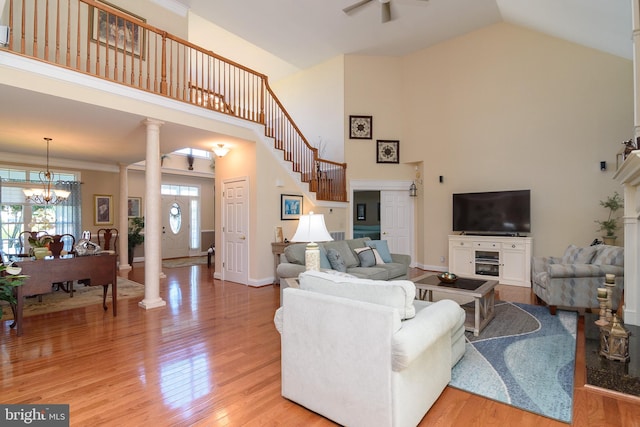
{"type": "Point", "coordinates": [396, 220]}
{"type": "Point", "coordinates": [235, 231]}
{"type": "Point", "coordinates": [175, 226]}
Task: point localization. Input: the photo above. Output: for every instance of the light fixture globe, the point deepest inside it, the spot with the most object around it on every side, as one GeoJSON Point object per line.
{"type": "Point", "coordinates": [220, 150]}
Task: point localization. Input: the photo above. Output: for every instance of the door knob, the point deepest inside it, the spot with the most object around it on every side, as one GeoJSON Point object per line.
{"type": "Point", "coordinates": [243, 238]}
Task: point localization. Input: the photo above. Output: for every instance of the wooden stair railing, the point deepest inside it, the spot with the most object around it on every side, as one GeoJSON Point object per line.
{"type": "Point", "coordinates": [124, 49]}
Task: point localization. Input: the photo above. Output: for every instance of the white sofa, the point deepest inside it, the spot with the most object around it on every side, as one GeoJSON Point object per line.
{"type": "Point", "coordinates": [348, 355]}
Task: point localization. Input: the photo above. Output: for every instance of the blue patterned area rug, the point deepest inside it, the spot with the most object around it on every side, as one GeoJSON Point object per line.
{"type": "Point", "coordinates": [524, 357]}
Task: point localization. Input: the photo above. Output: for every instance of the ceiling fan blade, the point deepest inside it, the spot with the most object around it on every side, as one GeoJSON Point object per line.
{"type": "Point", "coordinates": [355, 5]}
{"type": "Point", "coordinates": [386, 12]}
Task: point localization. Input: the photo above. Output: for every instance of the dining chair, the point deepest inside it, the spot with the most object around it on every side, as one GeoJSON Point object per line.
{"type": "Point", "coordinates": [108, 239]}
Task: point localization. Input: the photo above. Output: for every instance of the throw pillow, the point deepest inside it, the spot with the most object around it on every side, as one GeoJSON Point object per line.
{"type": "Point", "coordinates": [382, 247]}
{"type": "Point", "coordinates": [336, 261]}
{"type": "Point", "coordinates": [324, 261]}
{"type": "Point", "coordinates": [576, 255]}
{"type": "Point", "coordinates": [366, 256]}
{"type": "Point", "coordinates": [379, 259]}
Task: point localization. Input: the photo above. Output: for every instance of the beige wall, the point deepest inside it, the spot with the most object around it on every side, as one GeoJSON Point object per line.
{"type": "Point", "coordinates": [507, 108]}
{"type": "Point", "coordinates": [267, 181]}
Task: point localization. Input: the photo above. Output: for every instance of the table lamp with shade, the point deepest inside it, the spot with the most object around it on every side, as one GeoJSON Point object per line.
{"type": "Point", "coordinates": [312, 229]}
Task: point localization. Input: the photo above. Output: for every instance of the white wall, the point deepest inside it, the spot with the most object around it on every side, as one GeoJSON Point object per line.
{"type": "Point", "coordinates": [210, 36]}
{"type": "Point", "coordinates": [315, 100]}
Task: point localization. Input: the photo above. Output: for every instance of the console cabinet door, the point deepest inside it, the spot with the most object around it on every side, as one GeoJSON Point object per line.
{"type": "Point", "coordinates": [461, 258]}
{"type": "Point", "coordinates": [514, 264]}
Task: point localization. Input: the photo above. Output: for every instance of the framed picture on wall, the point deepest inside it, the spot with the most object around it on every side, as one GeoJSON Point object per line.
{"type": "Point", "coordinates": [290, 206]}
{"type": "Point", "coordinates": [387, 151]}
{"type": "Point", "coordinates": [102, 209]}
{"type": "Point", "coordinates": [360, 127]}
{"type": "Point", "coordinates": [134, 207]}
{"type": "Point", "coordinates": [116, 32]}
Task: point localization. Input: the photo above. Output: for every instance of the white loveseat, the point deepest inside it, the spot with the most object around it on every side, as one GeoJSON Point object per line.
{"type": "Point", "coordinates": [365, 352]}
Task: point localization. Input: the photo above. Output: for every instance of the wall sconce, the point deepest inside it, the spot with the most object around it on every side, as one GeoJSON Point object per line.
{"type": "Point", "coordinates": [413, 190]}
{"type": "Point", "coordinates": [220, 150]}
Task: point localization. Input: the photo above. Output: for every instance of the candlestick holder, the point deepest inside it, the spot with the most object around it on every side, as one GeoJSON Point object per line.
{"type": "Point", "coordinates": [602, 321]}
{"type": "Point", "coordinates": [609, 287]}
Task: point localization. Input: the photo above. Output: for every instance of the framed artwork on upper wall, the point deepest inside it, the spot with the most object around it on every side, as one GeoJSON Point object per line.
{"type": "Point", "coordinates": [387, 151]}
{"type": "Point", "coordinates": [360, 127]}
{"type": "Point", "coordinates": [116, 32]}
{"type": "Point", "coordinates": [134, 207]}
{"type": "Point", "coordinates": [290, 206]}
{"type": "Point", "coordinates": [102, 209]}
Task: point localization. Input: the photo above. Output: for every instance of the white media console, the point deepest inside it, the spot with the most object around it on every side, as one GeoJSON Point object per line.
{"type": "Point", "coordinates": [506, 259]}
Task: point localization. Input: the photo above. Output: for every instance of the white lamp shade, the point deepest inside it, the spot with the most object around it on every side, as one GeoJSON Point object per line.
{"type": "Point", "coordinates": [311, 228]}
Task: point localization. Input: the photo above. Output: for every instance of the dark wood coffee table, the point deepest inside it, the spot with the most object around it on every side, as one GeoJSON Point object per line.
{"type": "Point", "coordinates": [482, 291]}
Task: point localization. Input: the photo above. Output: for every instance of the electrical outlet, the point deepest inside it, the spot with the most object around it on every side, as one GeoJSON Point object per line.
{"type": "Point", "coordinates": [442, 259]}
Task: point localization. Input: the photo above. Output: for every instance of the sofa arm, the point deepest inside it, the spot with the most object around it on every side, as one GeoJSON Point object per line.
{"type": "Point", "coordinates": [419, 333]}
{"type": "Point", "coordinates": [401, 259]}
{"type": "Point", "coordinates": [286, 270]}
{"type": "Point", "coordinates": [583, 270]}
{"type": "Point", "coordinates": [539, 264]}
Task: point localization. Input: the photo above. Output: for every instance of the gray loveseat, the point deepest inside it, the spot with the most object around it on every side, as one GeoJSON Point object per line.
{"type": "Point", "coordinates": [292, 260]}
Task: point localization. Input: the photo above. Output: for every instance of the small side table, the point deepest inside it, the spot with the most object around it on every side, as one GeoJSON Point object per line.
{"type": "Point", "coordinates": [277, 248]}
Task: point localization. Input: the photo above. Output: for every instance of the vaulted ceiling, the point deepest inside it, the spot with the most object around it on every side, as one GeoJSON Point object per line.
{"type": "Point", "coordinates": [303, 33]}
{"type": "Point", "coordinates": [307, 32]}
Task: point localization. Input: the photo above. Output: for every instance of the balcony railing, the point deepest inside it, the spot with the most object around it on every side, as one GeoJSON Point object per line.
{"type": "Point", "coordinates": [92, 38]}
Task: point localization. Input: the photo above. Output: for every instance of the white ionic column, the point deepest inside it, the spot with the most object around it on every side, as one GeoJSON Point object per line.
{"type": "Point", "coordinates": [152, 220]}
{"type": "Point", "coordinates": [123, 226]}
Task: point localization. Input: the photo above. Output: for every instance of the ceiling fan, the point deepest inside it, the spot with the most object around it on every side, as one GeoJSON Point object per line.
{"type": "Point", "coordinates": [385, 8]}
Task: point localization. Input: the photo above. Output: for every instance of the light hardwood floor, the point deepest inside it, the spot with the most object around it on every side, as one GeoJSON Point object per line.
{"type": "Point", "coordinates": [212, 357]}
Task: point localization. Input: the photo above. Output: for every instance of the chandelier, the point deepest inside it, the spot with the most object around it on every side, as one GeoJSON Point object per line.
{"type": "Point", "coordinates": [46, 195]}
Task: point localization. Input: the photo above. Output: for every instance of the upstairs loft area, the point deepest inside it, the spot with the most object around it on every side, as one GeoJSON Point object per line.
{"type": "Point", "coordinates": [92, 38]}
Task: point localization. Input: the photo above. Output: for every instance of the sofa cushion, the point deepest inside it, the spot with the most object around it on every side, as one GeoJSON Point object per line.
{"type": "Point", "coordinates": [336, 261]}
{"type": "Point", "coordinates": [382, 247]}
{"type": "Point", "coordinates": [576, 255]}
{"type": "Point", "coordinates": [295, 254]}
{"type": "Point", "coordinates": [374, 273]}
{"type": "Point", "coordinates": [398, 294]}
{"type": "Point", "coordinates": [366, 256]}
{"type": "Point", "coordinates": [609, 255]}
{"type": "Point", "coordinates": [349, 257]}
{"type": "Point", "coordinates": [394, 269]}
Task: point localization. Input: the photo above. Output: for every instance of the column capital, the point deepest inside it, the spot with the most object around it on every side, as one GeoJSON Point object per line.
{"type": "Point", "coordinates": [152, 122]}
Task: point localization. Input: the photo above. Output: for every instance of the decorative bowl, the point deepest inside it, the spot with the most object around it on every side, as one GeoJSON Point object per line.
{"type": "Point", "coordinates": [447, 277]}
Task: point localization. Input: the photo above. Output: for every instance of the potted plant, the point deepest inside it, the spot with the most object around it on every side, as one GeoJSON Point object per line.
{"type": "Point", "coordinates": [610, 225]}
{"type": "Point", "coordinates": [135, 236]}
{"type": "Point", "coordinates": [9, 278]}
{"type": "Point", "coordinates": [40, 246]}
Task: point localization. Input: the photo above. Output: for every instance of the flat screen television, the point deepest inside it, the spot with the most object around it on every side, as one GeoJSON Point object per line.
{"type": "Point", "coordinates": [494, 212]}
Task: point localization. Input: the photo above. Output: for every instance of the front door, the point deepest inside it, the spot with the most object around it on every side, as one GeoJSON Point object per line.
{"type": "Point", "coordinates": [175, 226]}
{"type": "Point", "coordinates": [235, 231]}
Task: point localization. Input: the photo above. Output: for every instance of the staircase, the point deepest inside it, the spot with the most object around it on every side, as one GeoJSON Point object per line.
{"type": "Point", "coordinates": [95, 39]}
